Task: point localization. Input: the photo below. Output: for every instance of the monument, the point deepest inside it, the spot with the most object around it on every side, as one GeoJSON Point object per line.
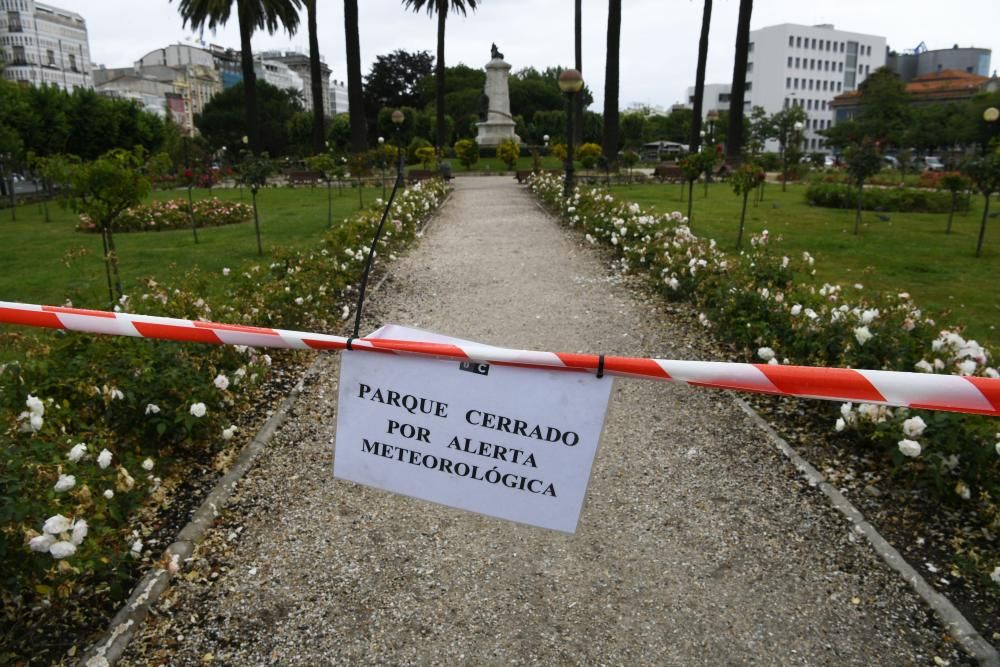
{"type": "Point", "coordinates": [496, 124]}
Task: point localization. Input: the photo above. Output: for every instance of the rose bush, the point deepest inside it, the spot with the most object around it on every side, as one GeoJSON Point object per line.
{"type": "Point", "coordinates": [93, 428]}
{"type": "Point", "coordinates": [173, 214]}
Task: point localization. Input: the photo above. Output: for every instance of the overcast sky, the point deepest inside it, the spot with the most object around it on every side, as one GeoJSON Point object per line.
{"type": "Point", "coordinates": [659, 37]}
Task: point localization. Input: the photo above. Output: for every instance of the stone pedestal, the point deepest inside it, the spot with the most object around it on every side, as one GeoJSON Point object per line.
{"type": "Point", "coordinates": [499, 125]}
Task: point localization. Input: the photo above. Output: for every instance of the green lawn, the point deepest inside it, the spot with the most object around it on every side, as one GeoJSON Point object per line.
{"type": "Point", "coordinates": [48, 262]}
{"type": "Point", "coordinates": [909, 252]}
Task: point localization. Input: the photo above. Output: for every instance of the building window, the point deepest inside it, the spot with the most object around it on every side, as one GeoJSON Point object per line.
{"type": "Point", "coordinates": [814, 43]}
{"type": "Point", "coordinates": [796, 83]}
{"type": "Point", "coordinates": [14, 22]}
{"type": "Point", "coordinates": [786, 102]}
{"type": "Point", "coordinates": [51, 57]}
{"type": "Point", "coordinates": [791, 41]}
{"type": "Point", "coordinates": [788, 82]}
{"type": "Point", "coordinates": [839, 86]}
{"type": "Point", "coordinates": [798, 63]}
{"type": "Point", "coordinates": [809, 104]}
{"type": "Point", "coordinates": [789, 61]}
{"type": "Point", "coordinates": [849, 79]}
{"type": "Point", "coordinates": [867, 69]}
{"type": "Point", "coordinates": [749, 67]}
{"type": "Point", "coordinates": [750, 48]}
{"type": "Point", "coordinates": [798, 42]}
{"type": "Point", "coordinates": [72, 62]}
{"type": "Point", "coordinates": [19, 58]}
{"type": "Point", "coordinates": [748, 86]}
{"type": "Point", "coordinates": [811, 83]}
{"type": "Point", "coordinates": [841, 47]}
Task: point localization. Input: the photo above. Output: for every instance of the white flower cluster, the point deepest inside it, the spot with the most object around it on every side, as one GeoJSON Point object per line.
{"type": "Point", "coordinates": [33, 417]}
{"type": "Point", "coordinates": [953, 353]}
{"type": "Point", "coordinates": [60, 537]}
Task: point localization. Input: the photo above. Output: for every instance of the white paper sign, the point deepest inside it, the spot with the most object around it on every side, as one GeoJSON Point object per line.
{"type": "Point", "coordinates": [513, 443]}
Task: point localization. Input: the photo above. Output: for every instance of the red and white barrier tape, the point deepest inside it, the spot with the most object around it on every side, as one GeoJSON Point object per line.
{"type": "Point", "coordinates": [974, 395]}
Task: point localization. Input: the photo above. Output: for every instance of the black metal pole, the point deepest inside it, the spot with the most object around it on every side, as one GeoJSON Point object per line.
{"type": "Point", "coordinates": [568, 185]}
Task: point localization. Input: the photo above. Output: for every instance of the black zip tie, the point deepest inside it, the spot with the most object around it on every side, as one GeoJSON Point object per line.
{"type": "Point", "coordinates": [600, 366]}
{"type": "Point", "coordinates": [351, 338]}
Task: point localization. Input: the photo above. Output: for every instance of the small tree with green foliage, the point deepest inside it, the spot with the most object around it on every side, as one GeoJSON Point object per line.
{"type": "Point", "coordinates": [427, 156]}
{"type": "Point", "coordinates": [956, 184]}
{"type": "Point", "coordinates": [863, 161]}
{"type": "Point", "coordinates": [744, 181]}
{"type": "Point", "coordinates": [587, 154]}
{"type": "Point", "coordinates": [508, 151]}
{"type": "Point", "coordinates": [558, 151]}
{"type": "Point", "coordinates": [326, 165]}
{"type": "Point", "coordinates": [691, 168]}
{"type": "Point", "coordinates": [630, 159]}
{"type": "Point", "coordinates": [984, 172]}
{"type": "Point", "coordinates": [467, 152]}
{"type": "Point", "coordinates": [255, 169]}
{"type": "Point", "coordinates": [102, 190]}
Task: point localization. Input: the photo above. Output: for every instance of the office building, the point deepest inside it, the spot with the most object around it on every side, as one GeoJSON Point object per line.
{"type": "Point", "coordinates": [44, 45]}
{"type": "Point", "coordinates": [714, 98]}
{"type": "Point", "coordinates": [921, 61]}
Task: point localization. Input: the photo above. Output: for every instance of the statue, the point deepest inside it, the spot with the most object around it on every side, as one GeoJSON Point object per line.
{"type": "Point", "coordinates": [484, 106]}
{"type": "Point", "coordinates": [495, 52]}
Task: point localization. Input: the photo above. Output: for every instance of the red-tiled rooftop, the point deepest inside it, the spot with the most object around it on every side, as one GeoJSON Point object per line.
{"type": "Point", "coordinates": [944, 85]}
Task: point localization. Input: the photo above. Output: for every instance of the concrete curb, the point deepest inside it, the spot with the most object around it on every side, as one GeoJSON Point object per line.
{"type": "Point", "coordinates": [148, 590]}
{"type": "Point", "coordinates": [954, 621]}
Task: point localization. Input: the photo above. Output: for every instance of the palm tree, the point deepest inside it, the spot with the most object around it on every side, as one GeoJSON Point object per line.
{"type": "Point", "coordinates": [699, 77]}
{"type": "Point", "coordinates": [315, 74]}
{"type": "Point", "coordinates": [441, 8]}
{"type": "Point", "coordinates": [355, 93]}
{"type": "Point", "coordinates": [578, 99]}
{"type": "Point", "coordinates": [253, 15]}
{"type": "Point", "coordinates": [734, 138]}
{"type": "Point", "coordinates": [611, 81]}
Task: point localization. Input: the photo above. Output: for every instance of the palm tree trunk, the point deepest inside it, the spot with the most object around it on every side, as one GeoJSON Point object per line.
{"type": "Point", "coordinates": [578, 99]}
{"type": "Point", "coordinates": [355, 93]}
{"type": "Point", "coordinates": [734, 138]}
{"type": "Point", "coordinates": [249, 82]}
{"type": "Point", "coordinates": [699, 78]}
{"type": "Point", "coordinates": [611, 82]}
{"type": "Point", "coordinates": [316, 74]}
{"type": "Point", "coordinates": [442, 16]}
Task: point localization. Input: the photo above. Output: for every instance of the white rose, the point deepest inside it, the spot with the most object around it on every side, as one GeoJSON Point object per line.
{"type": "Point", "coordinates": [914, 427]}
{"type": "Point", "coordinates": [152, 409]}
{"type": "Point", "coordinates": [62, 549]}
{"type": "Point", "coordinates": [65, 483]}
{"type": "Point", "coordinates": [198, 410]}
{"type": "Point", "coordinates": [57, 524]}
{"type": "Point", "coordinates": [79, 532]}
{"type": "Point", "coordinates": [36, 422]}
{"type": "Point", "coordinates": [909, 448]}
{"type": "Point", "coordinates": [104, 459]}
{"type": "Point", "coordinates": [147, 464]}
{"type": "Point", "coordinates": [41, 543]}
{"type": "Point", "coordinates": [228, 433]}
{"type": "Point", "coordinates": [136, 547]}
{"type": "Point", "coordinates": [863, 335]}
{"type": "Point", "coordinates": [796, 309]}
{"type": "Point", "coordinates": [35, 405]}
{"type": "Point", "coordinates": [765, 353]}
{"type": "Point", "coordinates": [840, 425]}
{"type": "Point", "coordinates": [962, 490]}
{"type": "Point", "coordinates": [77, 452]}
{"type": "Point", "coordinates": [221, 382]}
{"type": "Point", "coordinates": [109, 494]}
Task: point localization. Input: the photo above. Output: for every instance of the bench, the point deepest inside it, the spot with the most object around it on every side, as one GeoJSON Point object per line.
{"type": "Point", "coordinates": [304, 178]}
{"type": "Point", "coordinates": [522, 175]}
{"type": "Point", "coordinates": [668, 172]}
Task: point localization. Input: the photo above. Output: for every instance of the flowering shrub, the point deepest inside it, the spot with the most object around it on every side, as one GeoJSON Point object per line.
{"type": "Point", "coordinates": [907, 200]}
{"type": "Point", "coordinates": [768, 305]}
{"type": "Point", "coordinates": [92, 426]}
{"type": "Point", "coordinates": [173, 214]}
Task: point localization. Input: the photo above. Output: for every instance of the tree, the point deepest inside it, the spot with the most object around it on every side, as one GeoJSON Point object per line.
{"type": "Point", "coordinates": [863, 160]}
{"type": "Point", "coordinates": [633, 126]}
{"type": "Point", "coordinates": [223, 123]}
{"type": "Point", "coordinates": [744, 180]}
{"type": "Point", "coordinates": [955, 183]}
{"type": "Point", "coordinates": [316, 80]}
{"type": "Point", "coordinates": [734, 143]}
{"type": "Point", "coordinates": [673, 127]}
{"type": "Point", "coordinates": [611, 75]}
{"type": "Point", "coordinates": [326, 165]}
{"type": "Point", "coordinates": [761, 129]}
{"type": "Point", "coordinates": [102, 190]}
{"type": "Point", "coordinates": [441, 8]}
{"type": "Point", "coordinates": [254, 170]}
{"type": "Point", "coordinates": [699, 78]}
{"type": "Point", "coordinates": [355, 92]}
{"type": "Point", "coordinates": [984, 172]}
{"type": "Point", "coordinates": [397, 80]}
{"type": "Point", "coordinates": [467, 152]}
{"type": "Point", "coordinates": [252, 15]}
{"type": "Point", "coordinates": [885, 108]}
{"type": "Point", "coordinates": [783, 127]}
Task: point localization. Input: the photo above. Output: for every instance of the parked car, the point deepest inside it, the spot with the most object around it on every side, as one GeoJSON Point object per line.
{"type": "Point", "coordinates": [890, 161]}
{"type": "Point", "coordinates": [930, 163]}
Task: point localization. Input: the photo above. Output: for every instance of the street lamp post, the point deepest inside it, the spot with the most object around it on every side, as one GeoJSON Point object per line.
{"type": "Point", "coordinates": [712, 116]}
{"type": "Point", "coordinates": [397, 119]}
{"type": "Point", "coordinates": [545, 138]}
{"type": "Point", "coordinates": [796, 138]}
{"type": "Point", "coordinates": [570, 83]}
{"type": "Point", "coordinates": [990, 115]}
{"type": "Point", "coordinates": [381, 162]}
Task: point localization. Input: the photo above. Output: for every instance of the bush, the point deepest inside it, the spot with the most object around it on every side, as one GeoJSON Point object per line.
{"type": "Point", "coordinates": [587, 154]}
{"type": "Point", "coordinates": [156, 407]}
{"type": "Point", "coordinates": [427, 157]}
{"type": "Point", "coordinates": [508, 151]}
{"type": "Point", "coordinates": [904, 200]}
{"type": "Point", "coordinates": [467, 152]}
{"type": "Point", "coordinates": [411, 151]}
{"type": "Point", "coordinates": [559, 152]}
{"type": "Point", "coordinates": [158, 216]}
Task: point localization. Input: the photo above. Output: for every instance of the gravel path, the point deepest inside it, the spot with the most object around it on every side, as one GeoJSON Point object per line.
{"type": "Point", "coordinates": [698, 544]}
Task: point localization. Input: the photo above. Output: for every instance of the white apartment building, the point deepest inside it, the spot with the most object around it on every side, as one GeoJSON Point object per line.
{"type": "Point", "coordinates": [44, 45]}
{"type": "Point", "coordinates": [715, 97]}
{"type": "Point", "coordinates": [278, 74]}
{"type": "Point", "coordinates": [338, 97]}
{"type": "Point", "coordinates": [807, 66]}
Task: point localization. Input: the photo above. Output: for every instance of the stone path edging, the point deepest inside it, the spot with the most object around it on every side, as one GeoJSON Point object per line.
{"type": "Point", "coordinates": [148, 590]}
